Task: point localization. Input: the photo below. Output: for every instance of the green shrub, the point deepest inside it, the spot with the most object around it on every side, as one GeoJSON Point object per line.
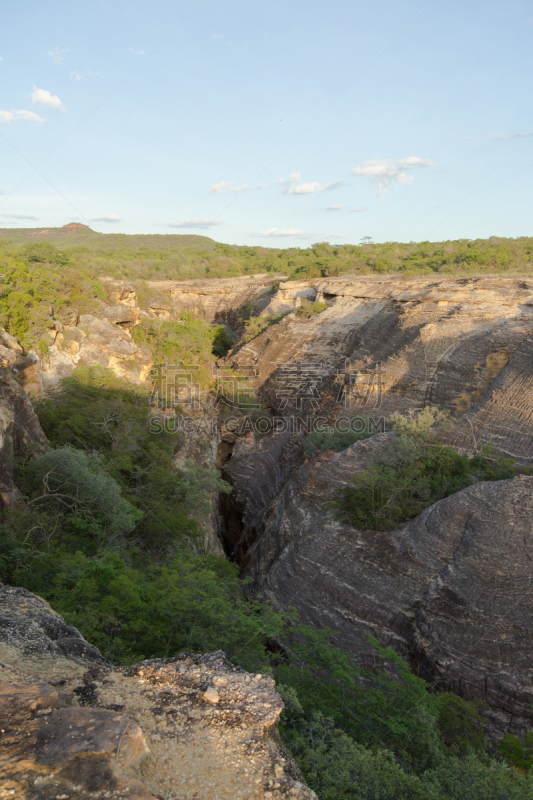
{"type": "Point", "coordinates": [187, 340]}
{"type": "Point", "coordinates": [308, 309]}
{"type": "Point", "coordinates": [254, 326]}
{"type": "Point", "coordinates": [98, 412]}
{"type": "Point", "coordinates": [34, 290]}
{"type": "Point", "coordinates": [222, 343]}
{"type": "Point", "coordinates": [148, 592]}
{"type": "Point", "coordinates": [331, 439]}
{"type": "Point", "coordinates": [516, 753]}
{"type": "Point", "coordinates": [411, 473]}
{"type": "Point", "coordinates": [68, 482]}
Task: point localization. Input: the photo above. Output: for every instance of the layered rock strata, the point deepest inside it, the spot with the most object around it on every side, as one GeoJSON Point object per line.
{"type": "Point", "coordinates": [450, 590]}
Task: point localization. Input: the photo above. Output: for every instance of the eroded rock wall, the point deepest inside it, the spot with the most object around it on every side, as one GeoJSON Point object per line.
{"type": "Point", "coordinates": [451, 590]}
{"type": "Point", "coordinates": [460, 344]}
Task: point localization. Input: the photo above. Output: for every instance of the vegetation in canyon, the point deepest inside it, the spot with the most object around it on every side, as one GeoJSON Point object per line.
{"type": "Point", "coordinates": [109, 537]}
{"type": "Point", "coordinates": [413, 471]}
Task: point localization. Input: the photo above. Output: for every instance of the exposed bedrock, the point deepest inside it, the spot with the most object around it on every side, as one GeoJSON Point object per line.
{"type": "Point", "coordinates": [72, 725]}
{"type": "Point", "coordinates": [20, 432]}
{"type": "Point", "coordinates": [451, 590]}
{"type": "Point", "coordinates": [256, 471]}
{"type": "Point", "coordinates": [460, 344]}
{"type": "Point", "coordinates": [223, 300]}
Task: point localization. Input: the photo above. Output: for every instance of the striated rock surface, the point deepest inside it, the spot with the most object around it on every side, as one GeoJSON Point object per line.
{"type": "Point", "coordinates": [192, 727]}
{"type": "Point", "coordinates": [458, 343]}
{"type": "Point", "coordinates": [451, 589]}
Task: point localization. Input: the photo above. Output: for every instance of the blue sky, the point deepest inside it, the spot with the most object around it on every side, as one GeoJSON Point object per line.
{"type": "Point", "coordinates": [279, 123]}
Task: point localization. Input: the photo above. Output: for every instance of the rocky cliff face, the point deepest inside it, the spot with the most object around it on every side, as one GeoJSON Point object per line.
{"type": "Point", "coordinates": [20, 432]}
{"type": "Point", "coordinates": [219, 300]}
{"type": "Point", "coordinates": [450, 590]}
{"type": "Point", "coordinates": [185, 728]}
{"type": "Point", "coordinates": [387, 345]}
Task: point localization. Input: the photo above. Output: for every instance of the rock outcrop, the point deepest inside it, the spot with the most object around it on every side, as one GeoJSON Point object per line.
{"type": "Point", "coordinates": [222, 300]}
{"type": "Point", "coordinates": [20, 432]}
{"type": "Point", "coordinates": [183, 728]}
{"type": "Point", "coordinates": [450, 590]}
{"type": "Point", "coordinates": [386, 345]}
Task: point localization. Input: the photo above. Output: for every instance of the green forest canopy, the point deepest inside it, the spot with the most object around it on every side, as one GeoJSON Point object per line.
{"type": "Point", "coordinates": [174, 256]}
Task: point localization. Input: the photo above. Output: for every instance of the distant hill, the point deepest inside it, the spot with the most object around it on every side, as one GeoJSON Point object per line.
{"type": "Point", "coordinates": [74, 235]}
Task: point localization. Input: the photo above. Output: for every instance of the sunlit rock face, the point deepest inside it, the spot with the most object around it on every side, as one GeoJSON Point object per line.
{"type": "Point", "coordinates": [463, 344]}
{"type": "Point", "coordinates": [185, 727]}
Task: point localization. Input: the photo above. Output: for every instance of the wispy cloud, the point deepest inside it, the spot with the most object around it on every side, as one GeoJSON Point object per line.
{"type": "Point", "coordinates": [13, 116]}
{"type": "Point", "coordinates": [137, 52]}
{"type": "Point", "coordinates": [42, 97]}
{"type": "Point", "coordinates": [107, 218]}
{"type": "Point", "coordinates": [196, 222]}
{"type": "Point", "coordinates": [226, 186]}
{"type": "Point", "coordinates": [57, 54]}
{"type": "Point", "coordinates": [19, 216]}
{"type": "Point", "coordinates": [384, 171]}
{"type": "Point", "coordinates": [357, 210]}
{"type": "Point", "coordinates": [332, 208]}
{"type": "Point", "coordinates": [293, 185]}
{"type": "Point", "coordinates": [274, 232]}
{"type": "Point", "coordinates": [219, 36]}
{"type": "Point", "coordinates": [79, 76]}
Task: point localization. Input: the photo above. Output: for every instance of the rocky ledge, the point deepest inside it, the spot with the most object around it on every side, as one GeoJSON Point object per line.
{"type": "Point", "coordinates": [193, 727]}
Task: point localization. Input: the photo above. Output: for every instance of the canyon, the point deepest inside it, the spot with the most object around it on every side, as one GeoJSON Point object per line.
{"type": "Point", "coordinates": [450, 590]}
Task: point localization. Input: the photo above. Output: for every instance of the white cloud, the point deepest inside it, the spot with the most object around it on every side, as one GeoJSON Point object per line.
{"type": "Point", "coordinates": [42, 97]}
{"type": "Point", "coordinates": [79, 76]}
{"type": "Point", "coordinates": [107, 218]}
{"type": "Point", "coordinates": [13, 116]}
{"type": "Point", "coordinates": [220, 188]}
{"type": "Point", "coordinates": [19, 216]}
{"type": "Point", "coordinates": [137, 52]}
{"type": "Point", "coordinates": [224, 186]}
{"type": "Point", "coordinates": [57, 54]}
{"type": "Point", "coordinates": [332, 208]}
{"type": "Point", "coordinates": [292, 185]}
{"type": "Point", "coordinates": [196, 222]}
{"type": "Point", "coordinates": [272, 232]}
{"type": "Point", "coordinates": [384, 171]}
{"type": "Point", "coordinates": [218, 36]}
{"type": "Point", "coordinates": [363, 208]}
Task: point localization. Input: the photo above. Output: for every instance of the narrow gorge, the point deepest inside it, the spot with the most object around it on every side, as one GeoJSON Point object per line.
{"type": "Point", "coordinates": [448, 589]}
